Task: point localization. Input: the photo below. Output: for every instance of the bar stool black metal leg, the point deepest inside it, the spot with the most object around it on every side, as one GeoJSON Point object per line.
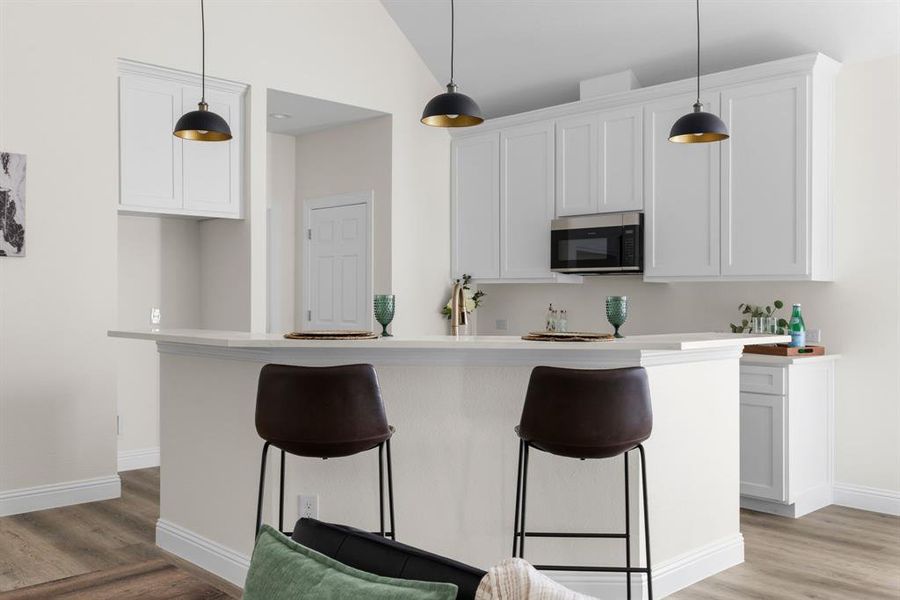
{"type": "Point", "coordinates": [381, 488]}
{"type": "Point", "coordinates": [281, 496]}
{"type": "Point", "coordinates": [627, 530]}
{"type": "Point", "coordinates": [393, 532]}
{"type": "Point", "coordinates": [518, 499]}
{"type": "Point", "coordinates": [262, 483]}
{"type": "Point", "coordinates": [646, 521]}
{"type": "Point", "coordinates": [524, 494]}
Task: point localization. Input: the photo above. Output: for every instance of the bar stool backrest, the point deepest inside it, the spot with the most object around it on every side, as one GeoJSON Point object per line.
{"type": "Point", "coordinates": [582, 413]}
{"type": "Point", "coordinates": [321, 411]}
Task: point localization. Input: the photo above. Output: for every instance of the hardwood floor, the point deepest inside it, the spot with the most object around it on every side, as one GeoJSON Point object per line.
{"type": "Point", "coordinates": [105, 539]}
{"type": "Point", "coordinates": [106, 550]}
{"type": "Point", "coordinates": [833, 553]}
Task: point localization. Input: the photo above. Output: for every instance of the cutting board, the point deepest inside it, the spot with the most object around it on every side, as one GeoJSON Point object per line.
{"type": "Point", "coordinates": [784, 350]}
{"type": "Point", "coordinates": [331, 335]}
{"type": "Point", "coordinates": [567, 336]}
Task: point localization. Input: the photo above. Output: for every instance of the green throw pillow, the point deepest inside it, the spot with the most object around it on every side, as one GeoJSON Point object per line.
{"type": "Point", "coordinates": [282, 569]}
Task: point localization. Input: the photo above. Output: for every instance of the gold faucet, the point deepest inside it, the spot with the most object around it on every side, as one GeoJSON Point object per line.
{"type": "Point", "coordinates": [457, 308]}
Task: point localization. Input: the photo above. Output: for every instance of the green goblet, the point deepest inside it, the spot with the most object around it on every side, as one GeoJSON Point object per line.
{"type": "Point", "coordinates": [384, 312]}
{"type": "Point", "coordinates": [617, 312]}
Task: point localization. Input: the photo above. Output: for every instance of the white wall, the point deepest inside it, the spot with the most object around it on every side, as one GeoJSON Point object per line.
{"type": "Point", "coordinates": [158, 266]}
{"type": "Point", "coordinates": [858, 313]}
{"type": "Point", "coordinates": [281, 191]}
{"type": "Point", "coordinates": [57, 367]}
{"type": "Point", "coordinates": [339, 160]}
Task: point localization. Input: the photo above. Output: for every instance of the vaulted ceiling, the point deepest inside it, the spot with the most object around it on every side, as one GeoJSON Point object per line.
{"type": "Point", "coordinates": [516, 55]}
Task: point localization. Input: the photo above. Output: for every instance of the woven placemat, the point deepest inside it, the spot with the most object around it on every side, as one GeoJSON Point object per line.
{"type": "Point", "coordinates": [567, 336]}
{"type": "Point", "coordinates": [331, 335]}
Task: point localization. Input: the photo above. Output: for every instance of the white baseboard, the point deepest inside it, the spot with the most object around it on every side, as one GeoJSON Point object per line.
{"type": "Point", "coordinates": [42, 497]}
{"type": "Point", "coordinates": [205, 553]}
{"type": "Point", "coordinates": [143, 458]}
{"type": "Point", "coordinates": [668, 577]}
{"type": "Point", "coordinates": [807, 502]}
{"type": "Point", "coordinates": [867, 498]}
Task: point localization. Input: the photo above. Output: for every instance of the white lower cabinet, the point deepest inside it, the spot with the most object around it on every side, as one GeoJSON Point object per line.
{"type": "Point", "coordinates": [787, 407]}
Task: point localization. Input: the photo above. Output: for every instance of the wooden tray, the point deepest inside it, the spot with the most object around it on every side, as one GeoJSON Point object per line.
{"type": "Point", "coordinates": [567, 336]}
{"type": "Point", "coordinates": [784, 350]}
{"type": "Point", "coordinates": [331, 335]}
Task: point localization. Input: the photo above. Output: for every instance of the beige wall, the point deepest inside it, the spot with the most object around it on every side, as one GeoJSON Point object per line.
{"type": "Point", "coordinates": [340, 160]}
{"type": "Point", "coordinates": [158, 266]}
{"type": "Point", "coordinates": [858, 313]}
{"type": "Point", "coordinates": [57, 367]}
{"type": "Point", "coordinates": [281, 192]}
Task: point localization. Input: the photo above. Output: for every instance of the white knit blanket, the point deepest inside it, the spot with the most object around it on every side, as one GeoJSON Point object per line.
{"type": "Point", "coordinates": [516, 579]}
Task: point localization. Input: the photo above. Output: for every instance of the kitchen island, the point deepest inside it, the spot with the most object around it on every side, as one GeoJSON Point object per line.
{"type": "Point", "coordinates": [454, 402]}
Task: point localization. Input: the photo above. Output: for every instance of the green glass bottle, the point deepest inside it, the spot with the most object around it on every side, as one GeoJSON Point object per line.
{"type": "Point", "coordinates": [798, 328]}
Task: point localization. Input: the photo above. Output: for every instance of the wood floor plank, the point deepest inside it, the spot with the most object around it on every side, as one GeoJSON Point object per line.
{"type": "Point", "coordinates": [106, 550]}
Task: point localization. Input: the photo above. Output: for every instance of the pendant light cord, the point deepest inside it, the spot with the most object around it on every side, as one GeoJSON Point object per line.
{"type": "Point", "coordinates": [452, 37]}
{"type": "Point", "coordinates": [698, 51]}
{"type": "Point", "coordinates": [203, 54]}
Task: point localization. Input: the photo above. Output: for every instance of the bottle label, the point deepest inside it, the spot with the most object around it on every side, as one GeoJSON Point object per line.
{"type": "Point", "coordinates": [798, 339]}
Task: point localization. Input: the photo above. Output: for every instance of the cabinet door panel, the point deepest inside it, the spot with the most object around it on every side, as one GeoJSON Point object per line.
{"type": "Point", "coordinates": [526, 200]}
{"type": "Point", "coordinates": [211, 177]}
{"type": "Point", "coordinates": [475, 218]}
{"type": "Point", "coordinates": [576, 165]}
{"type": "Point", "coordinates": [150, 156]}
{"type": "Point", "coordinates": [681, 183]}
{"type": "Point", "coordinates": [764, 179]}
{"type": "Point", "coordinates": [763, 446]}
{"type": "Point", "coordinates": [621, 160]}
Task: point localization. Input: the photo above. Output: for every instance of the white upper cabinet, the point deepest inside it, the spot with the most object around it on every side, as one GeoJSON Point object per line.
{"type": "Point", "coordinates": [576, 165]}
{"type": "Point", "coordinates": [150, 156]}
{"type": "Point", "coordinates": [681, 225]}
{"type": "Point", "coordinates": [765, 196]}
{"type": "Point", "coordinates": [599, 162]}
{"type": "Point", "coordinates": [165, 175]}
{"type": "Point", "coordinates": [755, 207]}
{"type": "Point", "coordinates": [526, 200]}
{"type": "Point", "coordinates": [475, 211]}
{"type": "Point", "coordinates": [621, 161]}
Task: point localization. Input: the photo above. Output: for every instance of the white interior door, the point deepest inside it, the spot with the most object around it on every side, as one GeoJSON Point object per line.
{"type": "Point", "coordinates": [338, 276]}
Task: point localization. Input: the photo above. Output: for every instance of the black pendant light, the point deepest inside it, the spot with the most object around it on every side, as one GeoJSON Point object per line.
{"type": "Point", "coordinates": [698, 126]}
{"type": "Point", "coordinates": [202, 124]}
{"type": "Point", "coordinates": [451, 109]}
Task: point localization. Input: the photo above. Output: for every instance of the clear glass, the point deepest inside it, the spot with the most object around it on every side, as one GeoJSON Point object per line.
{"type": "Point", "coordinates": [758, 325]}
{"type": "Point", "coordinates": [155, 319]}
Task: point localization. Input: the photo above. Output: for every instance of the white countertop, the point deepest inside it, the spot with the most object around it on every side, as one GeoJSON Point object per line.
{"type": "Point", "coordinates": [243, 339]}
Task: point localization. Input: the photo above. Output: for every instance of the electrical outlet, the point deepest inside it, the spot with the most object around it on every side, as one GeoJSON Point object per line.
{"type": "Point", "coordinates": [500, 324]}
{"type": "Point", "coordinates": [118, 424]}
{"type": "Point", "coordinates": [308, 506]}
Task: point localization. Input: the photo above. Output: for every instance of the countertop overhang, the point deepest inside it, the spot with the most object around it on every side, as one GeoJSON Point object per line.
{"type": "Point", "coordinates": [644, 350]}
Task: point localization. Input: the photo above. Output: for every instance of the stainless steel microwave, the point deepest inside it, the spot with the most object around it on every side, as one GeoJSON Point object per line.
{"type": "Point", "coordinates": [598, 244]}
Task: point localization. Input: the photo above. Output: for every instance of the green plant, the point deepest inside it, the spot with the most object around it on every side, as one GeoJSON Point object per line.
{"type": "Point", "coordinates": [755, 311]}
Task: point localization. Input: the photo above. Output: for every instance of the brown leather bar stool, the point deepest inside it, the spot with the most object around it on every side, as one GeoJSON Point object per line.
{"type": "Point", "coordinates": [323, 412]}
{"type": "Point", "coordinates": [585, 414]}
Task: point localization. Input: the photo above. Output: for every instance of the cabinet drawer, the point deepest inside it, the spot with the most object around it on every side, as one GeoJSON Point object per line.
{"type": "Point", "coordinates": [763, 380]}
